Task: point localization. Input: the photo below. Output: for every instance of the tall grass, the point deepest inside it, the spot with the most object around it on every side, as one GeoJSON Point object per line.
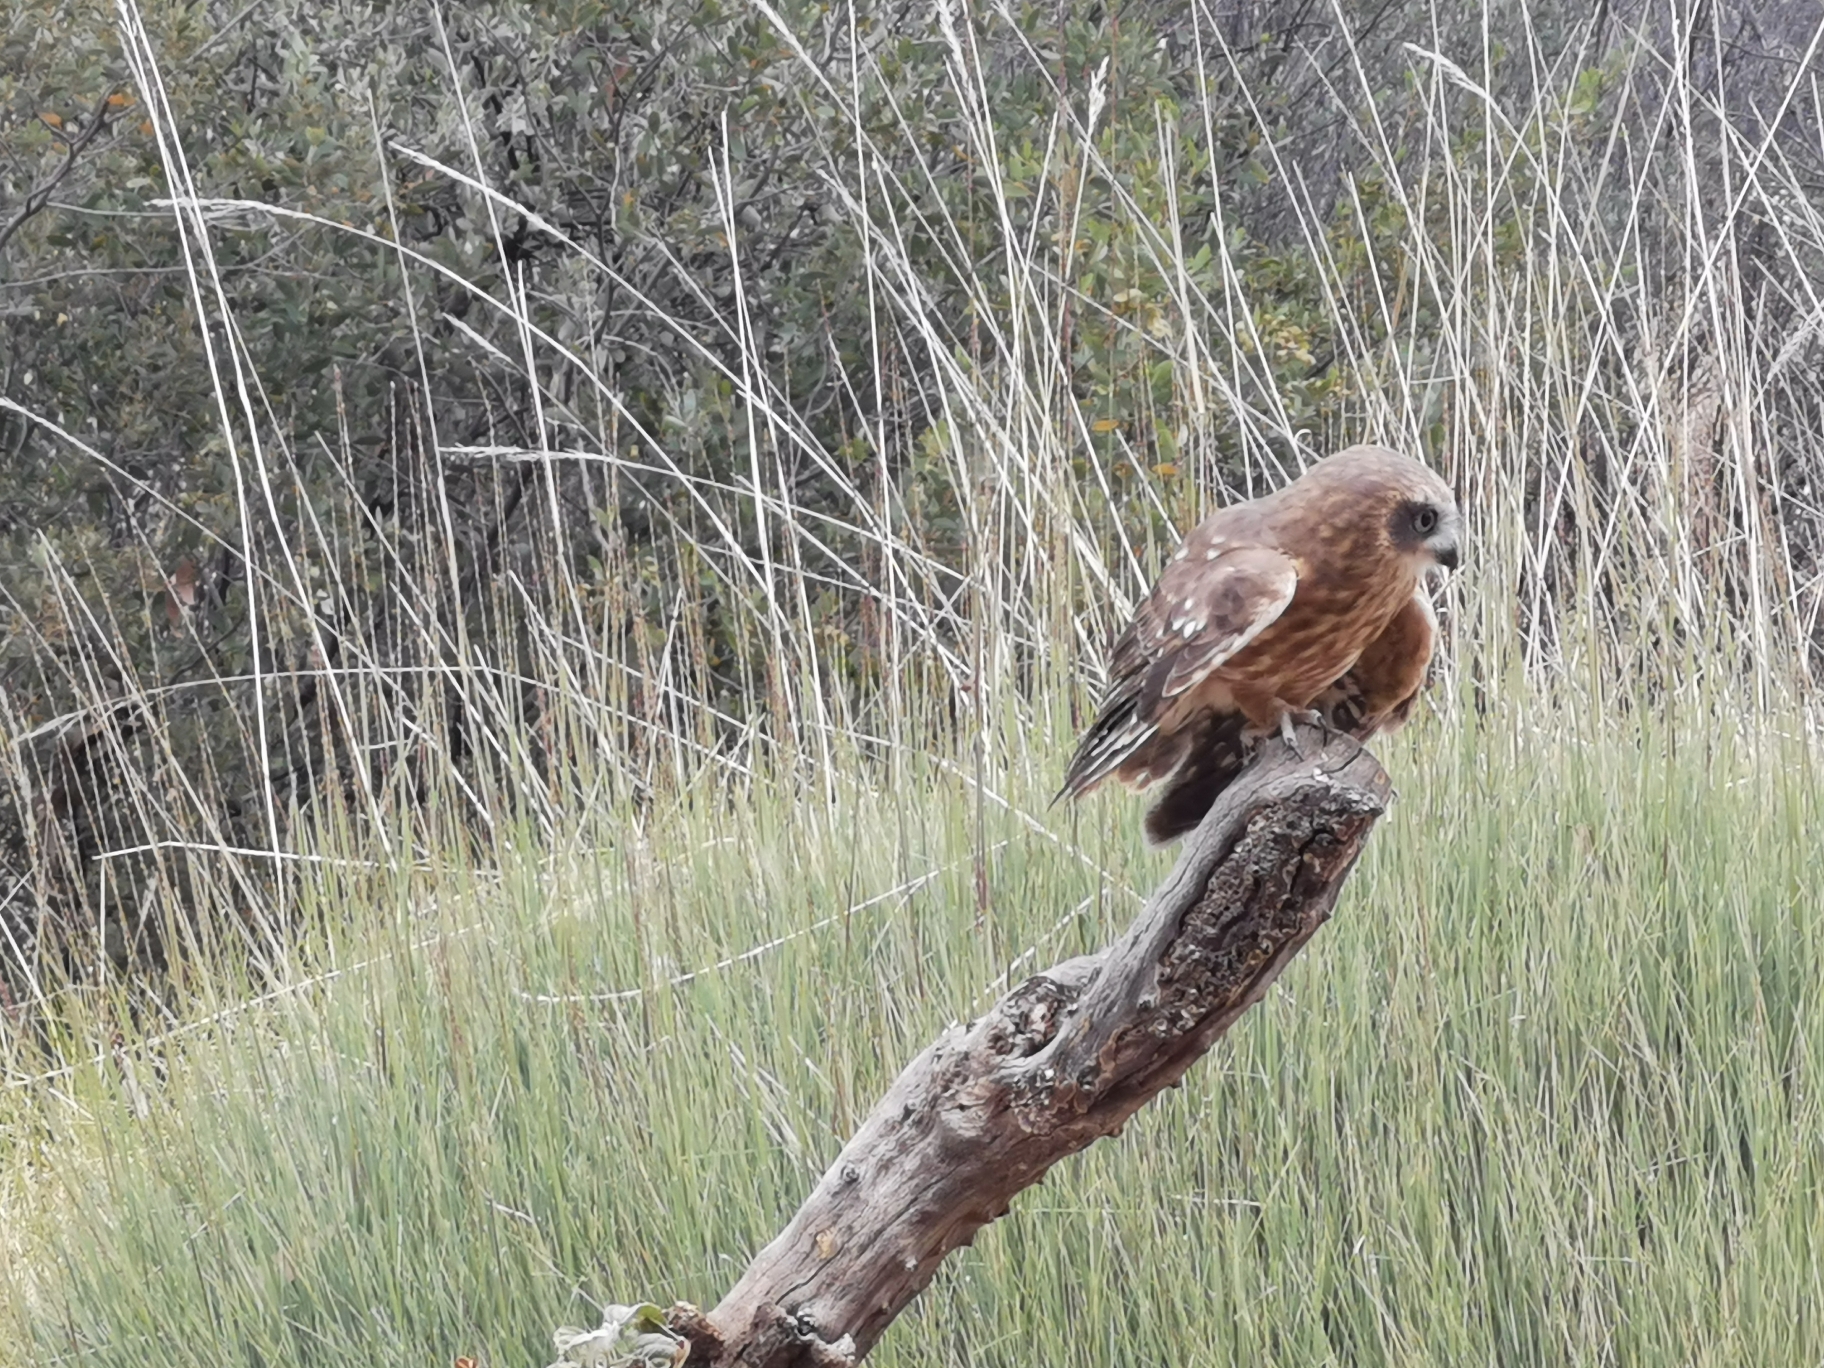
{"type": "Point", "coordinates": [574, 1015]}
{"type": "Point", "coordinates": [1589, 294]}
{"type": "Point", "coordinates": [1545, 1092]}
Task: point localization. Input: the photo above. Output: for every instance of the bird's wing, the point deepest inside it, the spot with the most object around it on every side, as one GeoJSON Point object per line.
{"type": "Point", "coordinates": [1213, 599]}
{"type": "Point", "coordinates": [1202, 613]}
{"type": "Point", "coordinates": [1378, 692]}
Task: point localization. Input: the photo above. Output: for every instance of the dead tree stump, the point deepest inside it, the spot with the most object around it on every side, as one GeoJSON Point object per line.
{"type": "Point", "coordinates": [1064, 1059]}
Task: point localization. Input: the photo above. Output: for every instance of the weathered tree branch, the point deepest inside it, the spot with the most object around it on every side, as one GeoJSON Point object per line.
{"type": "Point", "coordinates": [1063, 1060]}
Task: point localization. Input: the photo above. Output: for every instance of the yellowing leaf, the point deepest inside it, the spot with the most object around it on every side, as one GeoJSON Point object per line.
{"type": "Point", "coordinates": [1105, 425]}
{"type": "Point", "coordinates": [54, 120]}
{"type": "Point", "coordinates": [119, 100]}
{"type": "Point", "coordinates": [1165, 469]}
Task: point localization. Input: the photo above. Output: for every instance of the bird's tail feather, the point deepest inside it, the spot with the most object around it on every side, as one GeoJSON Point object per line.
{"type": "Point", "coordinates": [1218, 751]}
{"type": "Point", "coordinates": [1115, 735]}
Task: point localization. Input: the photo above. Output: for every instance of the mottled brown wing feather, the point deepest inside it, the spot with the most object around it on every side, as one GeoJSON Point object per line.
{"type": "Point", "coordinates": [1204, 609]}
{"type": "Point", "coordinates": [1219, 613]}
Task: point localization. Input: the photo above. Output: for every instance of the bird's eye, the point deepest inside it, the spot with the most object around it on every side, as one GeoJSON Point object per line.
{"type": "Point", "coordinates": [1425, 521]}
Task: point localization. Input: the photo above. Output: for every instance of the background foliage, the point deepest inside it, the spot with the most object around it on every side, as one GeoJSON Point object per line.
{"type": "Point", "coordinates": [404, 409]}
{"type": "Point", "coordinates": [529, 534]}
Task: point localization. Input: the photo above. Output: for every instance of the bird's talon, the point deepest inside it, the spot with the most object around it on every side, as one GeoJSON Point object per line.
{"type": "Point", "coordinates": [1289, 736]}
{"type": "Point", "coordinates": [1316, 718]}
{"type": "Point", "coordinates": [1309, 717]}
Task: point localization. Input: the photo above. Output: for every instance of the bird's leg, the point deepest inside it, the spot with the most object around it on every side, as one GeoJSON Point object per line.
{"type": "Point", "coordinates": [1287, 735]}
{"type": "Point", "coordinates": [1311, 717]}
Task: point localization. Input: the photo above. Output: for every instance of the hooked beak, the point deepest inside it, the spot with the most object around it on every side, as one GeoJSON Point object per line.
{"type": "Point", "coordinates": [1446, 556]}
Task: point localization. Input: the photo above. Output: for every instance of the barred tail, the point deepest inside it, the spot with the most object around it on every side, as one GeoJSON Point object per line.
{"type": "Point", "coordinates": [1115, 735]}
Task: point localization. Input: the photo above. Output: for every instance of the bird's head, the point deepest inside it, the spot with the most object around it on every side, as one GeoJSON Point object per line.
{"type": "Point", "coordinates": [1427, 529]}
{"type": "Point", "coordinates": [1396, 501]}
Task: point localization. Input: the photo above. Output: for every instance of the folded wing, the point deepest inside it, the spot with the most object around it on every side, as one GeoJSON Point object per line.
{"type": "Point", "coordinates": [1212, 600]}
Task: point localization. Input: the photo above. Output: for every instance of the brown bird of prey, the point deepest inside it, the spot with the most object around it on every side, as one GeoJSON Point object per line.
{"type": "Point", "coordinates": [1306, 605]}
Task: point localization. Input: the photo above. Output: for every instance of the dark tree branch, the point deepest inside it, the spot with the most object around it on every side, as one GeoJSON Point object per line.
{"type": "Point", "coordinates": [74, 147]}
{"type": "Point", "coordinates": [1061, 1061]}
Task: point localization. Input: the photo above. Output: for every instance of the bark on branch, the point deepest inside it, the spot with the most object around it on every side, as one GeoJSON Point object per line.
{"type": "Point", "coordinates": [1061, 1061]}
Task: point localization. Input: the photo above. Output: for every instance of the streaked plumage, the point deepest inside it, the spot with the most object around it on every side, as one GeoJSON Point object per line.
{"type": "Point", "coordinates": [1309, 599]}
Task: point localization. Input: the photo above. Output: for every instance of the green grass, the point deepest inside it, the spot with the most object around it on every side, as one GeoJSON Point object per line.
{"type": "Point", "coordinates": [1547, 1091]}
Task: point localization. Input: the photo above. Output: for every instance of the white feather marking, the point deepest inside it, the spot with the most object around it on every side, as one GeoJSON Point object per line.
{"type": "Point", "coordinates": [1117, 747]}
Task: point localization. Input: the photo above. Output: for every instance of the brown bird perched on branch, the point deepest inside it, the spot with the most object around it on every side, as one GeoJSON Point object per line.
{"type": "Point", "coordinates": [1306, 605]}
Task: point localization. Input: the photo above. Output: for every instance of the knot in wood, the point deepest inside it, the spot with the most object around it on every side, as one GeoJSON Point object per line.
{"type": "Point", "coordinates": [1027, 1019]}
{"type": "Point", "coordinates": [1256, 903]}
